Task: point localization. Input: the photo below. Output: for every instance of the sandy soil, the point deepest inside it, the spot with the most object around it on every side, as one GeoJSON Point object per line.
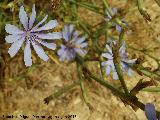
{"type": "Point", "coordinates": [47, 78]}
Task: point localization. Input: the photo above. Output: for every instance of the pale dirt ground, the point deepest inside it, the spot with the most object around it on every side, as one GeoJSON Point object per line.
{"type": "Point", "coordinates": [50, 77]}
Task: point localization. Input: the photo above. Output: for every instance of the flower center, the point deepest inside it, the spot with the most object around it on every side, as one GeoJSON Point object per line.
{"type": "Point", "coordinates": [28, 33]}
{"type": "Point", "coordinates": [30, 37]}
{"type": "Point", "coordinates": [71, 44]}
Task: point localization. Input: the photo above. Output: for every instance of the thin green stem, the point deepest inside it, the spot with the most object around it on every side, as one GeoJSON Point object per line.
{"type": "Point", "coordinates": [148, 73]}
{"type": "Point", "coordinates": [121, 37]}
{"type": "Point", "coordinates": [152, 89]}
{"type": "Point", "coordinates": [81, 83]}
{"type": "Point", "coordinates": [101, 68]}
{"type": "Point", "coordinates": [61, 92]}
{"type": "Point", "coordinates": [65, 89]}
{"type": "Point", "coordinates": [86, 6]}
{"type": "Point", "coordinates": [130, 98]}
{"type": "Point", "coordinates": [116, 61]}
{"type": "Point", "coordinates": [142, 10]}
{"type": "Point", "coordinates": [120, 76]}
{"type": "Point", "coordinates": [2, 67]}
{"type": "Point", "coordinates": [105, 2]}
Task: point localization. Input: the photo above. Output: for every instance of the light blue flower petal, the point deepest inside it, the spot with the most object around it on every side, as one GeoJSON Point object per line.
{"type": "Point", "coordinates": [66, 54]}
{"type": "Point", "coordinates": [108, 70]}
{"type": "Point", "coordinates": [23, 17]}
{"type": "Point", "coordinates": [107, 55]}
{"type": "Point", "coordinates": [106, 63]}
{"type": "Point", "coordinates": [73, 37]}
{"type": "Point", "coordinates": [50, 25]}
{"type": "Point", "coordinates": [75, 34]}
{"type": "Point", "coordinates": [66, 33]}
{"type": "Point", "coordinates": [63, 46]}
{"type": "Point", "coordinates": [63, 56]}
{"type": "Point", "coordinates": [70, 55]}
{"type": "Point", "coordinates": [51, 46]}
{"type": "Point", "coordinates": [80, 40]}
{"type": "Point", "coordinates": [150, 111]}
{"type": "Point", "coordinates": [130, 61]}
{"type": "Point", "coordinates": [114, 11]}
{"type": "Point", "coordinates": [40, 52]}
{"type": "Point", "coordinates": [118, 28]}
{"type": "Point", "coordinates": [54, 35]}
{"type": "Point", "coordinates": [15, 47]}
{"type": "Point", "coordinates": [124, 66]}
{"type": "Point", "coordinates": [109, 48]}
{"type": "Point", "coordinates": [115, 75]}
{"type": "Point", "coordinates": [11, 29]}
{"type": "Point", "coordinates": [113, 67]}
{"type": "Point", "coordinates": [27, 55]}
{"type": "Point", "coordinates": [130, 72]}
{"type": "Point", "coordinates": [71, 28]}
{"type": "Point", "coordinates": [81, 52]}
{"type": "Point", "coordinates": [12, 38]}
{"type": "Point", "coordinates": [83, 45]}
{"type": "Point", "coordinates": [41, 22]}
{"type": "Point", "coordinates": [62, 53]}
{"type": "Point", "coordinates": [32, 17]}
{"type": "Point", "coordinates": [122, 49]}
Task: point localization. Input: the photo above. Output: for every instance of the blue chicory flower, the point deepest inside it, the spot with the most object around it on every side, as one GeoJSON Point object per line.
{"type": "Point", "coordinates": [72, 45]}
{"type": "Point", "coordinates": [109, 17]}
{"type": "Point", "coordinates": [114, 12]}
{"type": "Point", "coordinates": [31, 36]}
{"type": "Point", "coordinates": [151, 112]}
{"type": "Point", "coordinates": [109, 64]}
